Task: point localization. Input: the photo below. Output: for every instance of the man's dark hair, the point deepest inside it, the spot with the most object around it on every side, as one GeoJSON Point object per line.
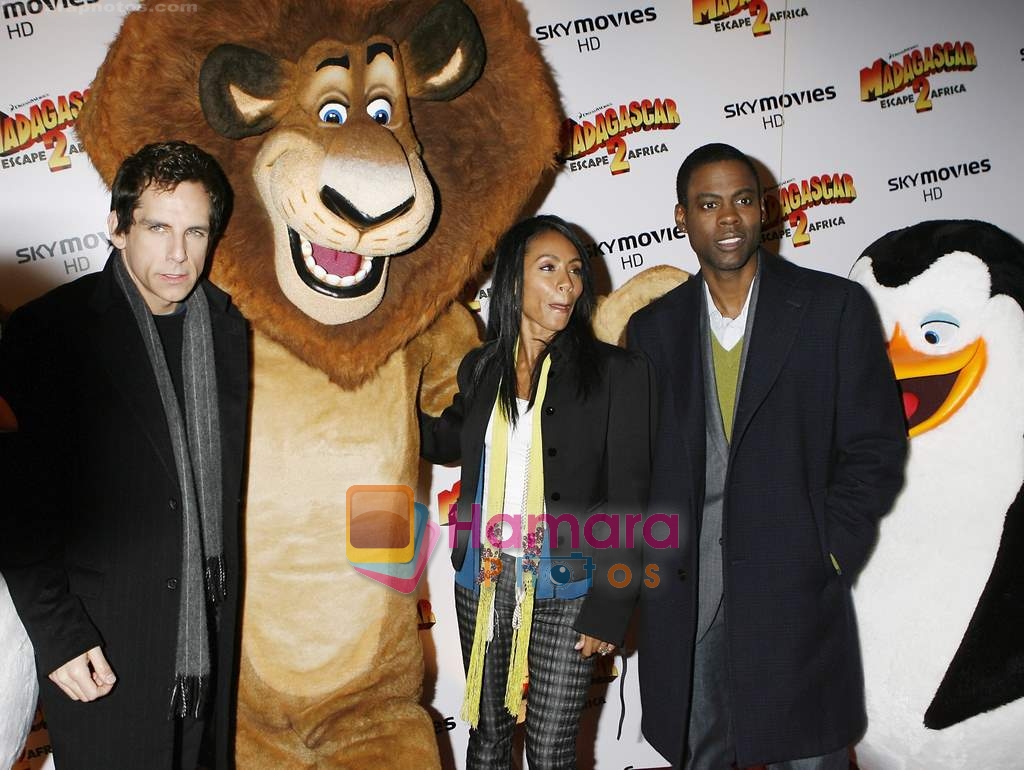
{"type": "Point", "coordinates": [165, 165]}
{"type": "Point", "coordinates": [702, 156]}
{"type": "Point", "coordinates": [506, 311]}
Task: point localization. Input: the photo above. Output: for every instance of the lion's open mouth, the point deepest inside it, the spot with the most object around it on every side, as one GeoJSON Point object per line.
{"type": "Point", "coordinates": [334, 273]}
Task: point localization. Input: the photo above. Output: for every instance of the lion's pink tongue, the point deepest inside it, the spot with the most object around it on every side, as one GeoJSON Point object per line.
{"type": "Point", "coordinates": [340, 263]}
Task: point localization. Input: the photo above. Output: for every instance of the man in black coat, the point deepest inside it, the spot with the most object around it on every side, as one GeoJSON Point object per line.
{"type": "Point", "coordinates": [129, 392]}
{"type": "Point", "coordinates": [781, 442]}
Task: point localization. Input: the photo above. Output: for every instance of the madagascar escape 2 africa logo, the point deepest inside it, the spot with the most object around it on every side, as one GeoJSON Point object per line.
{"type": "Point", "coordinates": [43, 123]}
{"type": "Point", "coordinates": [787, 206]}
{"type": "Point", "coordinates": [607, 127]}
{"type": "Point", "coordinates": [913, 68]}
{"type": "Point", "coordinates": [726, 15]}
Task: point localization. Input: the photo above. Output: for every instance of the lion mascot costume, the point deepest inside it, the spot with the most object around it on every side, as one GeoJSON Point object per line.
{"type": "Point", "coordinates": [376, 150]}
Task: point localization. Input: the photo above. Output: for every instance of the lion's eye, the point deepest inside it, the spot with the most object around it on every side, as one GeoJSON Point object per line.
{"type": "Point", "coordinates": [380, 111]}
{"type": "Point", "coordinates": [334, 112]}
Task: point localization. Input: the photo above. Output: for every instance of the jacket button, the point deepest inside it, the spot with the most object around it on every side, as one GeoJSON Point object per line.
{"type": "Point", "coordinates": [682, 575]}
{"type": "Point", "coordinates": [172, 503]}
{"type": "Point", "coordinates": [172, 583]}
{"type": "Point", "coordinates": [555, 496]}
{"type": "Point", "coordinates": [552, 451]}
{"type": "Point", "coordinates": [549, 410]}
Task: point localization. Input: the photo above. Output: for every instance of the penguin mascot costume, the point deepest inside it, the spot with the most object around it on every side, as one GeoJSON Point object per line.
{"type": "Point", "coordinates": [941, 602]}
{"type": "Point", "coordinates": [18, 686]}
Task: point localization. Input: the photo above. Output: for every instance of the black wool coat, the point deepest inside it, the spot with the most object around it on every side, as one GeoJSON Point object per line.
{"type": "Point", "coordinates": [816, 459]}
{"type": "Point", "coordinates": [97, 559]}
{"type": "Point", "coordinates": [596, 460]}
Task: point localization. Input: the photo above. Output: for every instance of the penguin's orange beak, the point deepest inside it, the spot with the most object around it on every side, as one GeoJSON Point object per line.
{"type": "Point", "coordinates": [935, 386]}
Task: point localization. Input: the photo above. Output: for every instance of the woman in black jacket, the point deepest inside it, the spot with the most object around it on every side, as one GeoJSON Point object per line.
{"type": "Point", "coordinates": [553, 430]}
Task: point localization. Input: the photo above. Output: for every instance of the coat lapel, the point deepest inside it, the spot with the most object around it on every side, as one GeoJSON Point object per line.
{"type": "Point", "coordinates": [685, 363]}
{"type": "Point", "coordinates": [475, 424]}
{"type": "Point", "coordinates": [117, 345]}
{"type": "Point", "coordinates": [231, 351]}
{"type": "Point", "coordinates": [780, 309]}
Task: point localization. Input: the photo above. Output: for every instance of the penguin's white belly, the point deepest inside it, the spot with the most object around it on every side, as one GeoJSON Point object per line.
{"type": "Point", "coordinates": [992, 741]}
{"type": "Point", "coordinates": [18, 687]}
{"type": "Point", "coordinates": [914, 601]}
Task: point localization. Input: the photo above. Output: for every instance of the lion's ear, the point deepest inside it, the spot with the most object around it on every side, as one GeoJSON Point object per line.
{"type": "Point", "coordinates": [238, 89]}
{"type": "Point", "coordinates": [445, 54]}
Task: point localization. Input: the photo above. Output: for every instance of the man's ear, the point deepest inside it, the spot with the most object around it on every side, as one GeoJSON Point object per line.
{"type": "Point", "coordinates": [116, 238]}
{"type": "Point", "coordinates": [681, 216]}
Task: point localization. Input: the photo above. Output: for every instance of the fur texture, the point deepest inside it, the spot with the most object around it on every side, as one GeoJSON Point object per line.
{"type": "Point", "coordinates": [614, 311]}
{"type": "Point", "coordinates": [942, 597]}
{"type": "Point", "coordinates": [484, 150]}
{"type": "Point", "coordinates": [331, 665]}
{"type": "Point", "coordinates": [18, 688]}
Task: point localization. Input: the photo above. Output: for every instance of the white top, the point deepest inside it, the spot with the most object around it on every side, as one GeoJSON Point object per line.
{"type": "Point", "coordinates": [516, 469]}
{"type": "Point", "coordinates": [728, 331]}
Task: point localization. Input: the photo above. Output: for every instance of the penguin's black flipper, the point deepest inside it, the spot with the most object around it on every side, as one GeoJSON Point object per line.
{"type": "Point", "coordinates": [988, 668]}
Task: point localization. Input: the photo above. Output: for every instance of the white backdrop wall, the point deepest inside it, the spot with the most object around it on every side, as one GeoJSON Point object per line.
{"type": "Point", "coordinates": [817, 92]}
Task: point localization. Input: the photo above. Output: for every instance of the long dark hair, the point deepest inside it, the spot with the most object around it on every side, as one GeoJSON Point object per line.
{"type": "Point", "coordinates": [506, 310]}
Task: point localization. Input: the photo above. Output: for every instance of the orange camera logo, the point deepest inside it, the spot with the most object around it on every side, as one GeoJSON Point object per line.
{"type": "Point", "coordinates": [390, 535]}
{"type": "Point", "coordinates": [381, 523]}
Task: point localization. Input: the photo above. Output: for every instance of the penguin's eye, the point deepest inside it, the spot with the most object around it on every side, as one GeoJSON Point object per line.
{"type": "Point", "coordinates": [940, 329]}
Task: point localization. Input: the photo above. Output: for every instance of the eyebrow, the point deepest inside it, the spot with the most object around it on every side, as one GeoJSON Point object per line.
{"type": "Point", "coordinates": [334, 61]}
{"type": "Point", "coordinates": [741, 191]}
{"type": "Point", "coordinates": [375, 49]}
{"type": "Point", "coordinates": [151, 222]}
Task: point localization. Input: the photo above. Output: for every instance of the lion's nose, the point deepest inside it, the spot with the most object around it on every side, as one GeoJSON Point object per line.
{"type": "Point", "coordinates": [341, 206]}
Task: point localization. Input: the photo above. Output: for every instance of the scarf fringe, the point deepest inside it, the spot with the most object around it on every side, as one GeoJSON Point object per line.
{"type": "Point", "coordinates": [475, 674]}
{"type": "Point", "coordinates": [216, 580]}
{"type": "Point", "coordinates": [188, 698]}
{"type": "Point", "coordinates": [519, 661]}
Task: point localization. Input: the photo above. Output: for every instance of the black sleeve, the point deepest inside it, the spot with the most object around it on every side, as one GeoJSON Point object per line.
{"type": "Point", "coordinates": [441, 436]}
{"type": "Point", "coordinates": [37, 504]}
{"type": "Point", "coordinates": [628, 445]}
{"type": "Point", "coordinates": [870, 437]}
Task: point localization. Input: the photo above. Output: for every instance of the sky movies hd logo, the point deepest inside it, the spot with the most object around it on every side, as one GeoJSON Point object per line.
{"type": "Point", "coordinates": [390, 536]}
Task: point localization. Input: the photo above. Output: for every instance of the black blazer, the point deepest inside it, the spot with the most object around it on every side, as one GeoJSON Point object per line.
{"type": "Point", "coordinates": [816, 458]}
{"type": "Point", "coordinates": [99, 552]}
{"type": "Point", "coordinates": [596, 460]}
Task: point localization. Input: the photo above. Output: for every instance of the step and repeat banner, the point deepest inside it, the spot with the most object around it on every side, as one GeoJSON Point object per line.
{"type": "Point", "coordinates": [863, 117]}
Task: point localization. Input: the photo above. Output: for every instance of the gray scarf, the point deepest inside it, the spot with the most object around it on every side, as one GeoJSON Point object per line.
{"type": "Point", "coordinates": [196, 444]}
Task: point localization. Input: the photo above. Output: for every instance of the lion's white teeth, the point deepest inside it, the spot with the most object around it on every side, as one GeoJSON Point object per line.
{"type": "Point", "coordinates": [321, 274]}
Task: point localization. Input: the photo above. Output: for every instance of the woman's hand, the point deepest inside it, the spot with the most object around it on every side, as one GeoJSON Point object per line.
{"type": "Point", "coordinates": [588, 645]}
